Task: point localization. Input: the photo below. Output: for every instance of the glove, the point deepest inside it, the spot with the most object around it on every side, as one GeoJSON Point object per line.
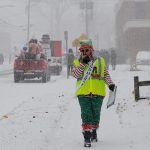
{"type": "Point", "coordinates": [112, 87]}
{"type": "Point", "coordinates": [85, 60]}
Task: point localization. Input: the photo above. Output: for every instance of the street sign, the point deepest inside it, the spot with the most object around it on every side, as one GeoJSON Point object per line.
{"type": "Point", "coordinates": [83, 37]}
{"type": "Point", "coordinates": [66, 35]}
{"type": "Point", "coordinates": [76, 43]}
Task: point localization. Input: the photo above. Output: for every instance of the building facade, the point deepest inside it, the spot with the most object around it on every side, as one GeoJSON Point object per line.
{"type": "Point", "coordinates": [132, 28]}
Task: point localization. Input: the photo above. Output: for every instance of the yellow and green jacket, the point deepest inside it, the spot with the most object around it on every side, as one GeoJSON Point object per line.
{"type": "Point", "coordinates": [95, 85]}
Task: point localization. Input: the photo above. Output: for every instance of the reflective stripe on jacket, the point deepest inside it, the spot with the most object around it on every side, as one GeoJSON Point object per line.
{"type": "Point", "coordinates": [95, 84]}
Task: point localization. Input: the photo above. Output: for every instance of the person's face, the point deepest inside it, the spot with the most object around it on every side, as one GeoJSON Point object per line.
{"type": "Point", "coordinates": [86, 52]}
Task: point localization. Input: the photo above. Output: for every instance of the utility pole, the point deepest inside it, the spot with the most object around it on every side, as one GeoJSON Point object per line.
{"type": "Point", "coordinates": [87, 6]}
{"type": "Point", "coordinates": [66, 38]}
{"type": "Point", "coordinates": [86, 17]}
{"type": "Point", "coordinates": [28, 27]}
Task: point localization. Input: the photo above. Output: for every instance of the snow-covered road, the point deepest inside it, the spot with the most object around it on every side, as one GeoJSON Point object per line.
{"type": "Point", "coordinates": [37, 116]}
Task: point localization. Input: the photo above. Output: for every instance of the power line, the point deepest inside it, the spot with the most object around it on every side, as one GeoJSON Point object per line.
{"type": "Point", "coordinates": [7, 23]}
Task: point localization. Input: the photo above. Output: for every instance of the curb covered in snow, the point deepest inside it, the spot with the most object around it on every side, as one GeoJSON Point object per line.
{"type": "Point", "coordinates": [6, 72]}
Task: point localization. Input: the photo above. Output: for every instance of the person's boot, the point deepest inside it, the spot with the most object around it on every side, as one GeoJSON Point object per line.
{"type": "Point", "coordinates": [87, 138]}
{"type": "Point", "coordinates": [94, 136]}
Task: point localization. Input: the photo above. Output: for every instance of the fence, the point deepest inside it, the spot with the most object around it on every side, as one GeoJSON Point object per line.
{"type": "Point", "coordinates": [138, 83]}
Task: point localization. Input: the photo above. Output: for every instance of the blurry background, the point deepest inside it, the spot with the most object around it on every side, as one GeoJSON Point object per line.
{"type": "Point", "coordinates": [53, 17]}
{"type": "Point", "coordinates": [123, 25]}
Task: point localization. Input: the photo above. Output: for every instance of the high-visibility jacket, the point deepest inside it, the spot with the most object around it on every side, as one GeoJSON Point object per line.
{"type": "Point", "coordinates": [95, 84]}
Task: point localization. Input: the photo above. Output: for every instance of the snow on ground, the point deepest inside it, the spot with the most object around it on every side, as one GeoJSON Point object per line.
{"type": "Point", "coordinates": [6, 66]}
{"type": "Point", "coordinates": [37, 116]}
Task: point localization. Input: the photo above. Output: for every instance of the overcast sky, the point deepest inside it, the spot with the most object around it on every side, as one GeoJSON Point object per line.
{"type": "Point", "coordinates": [54, 17]}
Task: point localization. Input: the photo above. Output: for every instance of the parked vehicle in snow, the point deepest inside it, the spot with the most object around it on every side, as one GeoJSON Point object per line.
{"type": "Point", "coordinates": [53, 50]}
{"type": "Point", "coordinates": [29, 65]}
{"type": "Point", "coordinates": [143, 58]}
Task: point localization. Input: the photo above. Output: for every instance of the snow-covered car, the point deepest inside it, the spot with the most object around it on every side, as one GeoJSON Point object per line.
{"type": "Point", "coordinates": [143, 58]}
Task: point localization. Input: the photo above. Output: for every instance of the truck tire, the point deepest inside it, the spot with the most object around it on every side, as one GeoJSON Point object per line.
{"type": "Point", "coordinates": [16, 78]}
{"type": "Point", "coordinates": [57, 71]}
{"type": "Point", "coordinates": [48, 74]}
{"type": "Point", "coordinates": [48, 77]}
{"type": "Point", "coordinates": [44, 78]}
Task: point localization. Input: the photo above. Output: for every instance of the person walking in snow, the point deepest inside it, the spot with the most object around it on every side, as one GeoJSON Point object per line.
{"type": "Point", "coordinates": [105, 54]}
{"type": "Point", "coordinates": [92, 75]}
{"type": "Point", "coordinates": [113, 59]}
{"type": "Point", "coordinates": [70, 58]}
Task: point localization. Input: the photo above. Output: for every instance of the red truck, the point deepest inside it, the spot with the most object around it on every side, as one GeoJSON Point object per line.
{"type": "Point", "coordinates": [31, 68]}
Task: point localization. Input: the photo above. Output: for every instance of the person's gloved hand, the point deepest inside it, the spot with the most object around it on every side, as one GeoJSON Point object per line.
{"type": "Point", "coordinates": [85, 60]}
{"type": "Point", "coordinates": [112, 87]}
